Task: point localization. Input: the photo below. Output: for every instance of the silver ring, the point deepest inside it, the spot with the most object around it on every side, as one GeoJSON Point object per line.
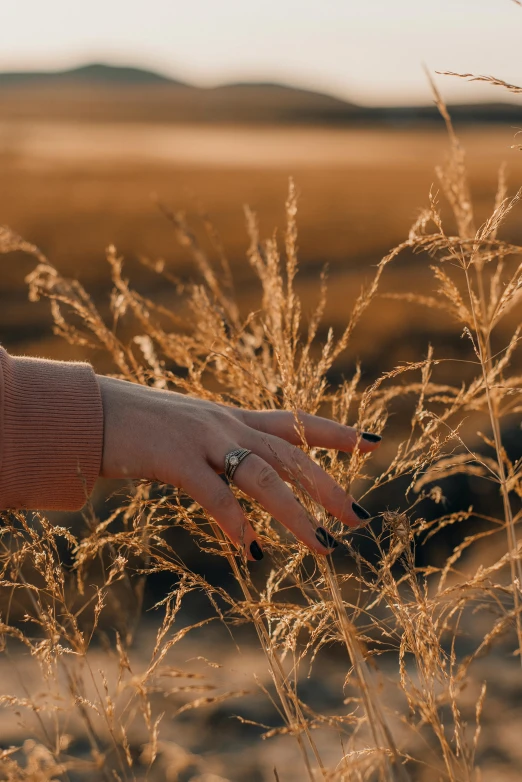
{"type": "Point", "coordinates": [233, 459]}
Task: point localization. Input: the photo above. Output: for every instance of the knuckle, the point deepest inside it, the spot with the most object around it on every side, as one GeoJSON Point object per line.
{"type": "Point", "coordinates": [340, 500]}
{"type": "Point", "coordinates": [299, 456]}
{"type": "Point", "coordinates": [224, 419]}
{"type": "Point", "coordinates": [338, 493]}
{"type": "Point", "coordinates": [303, 528]}
{"type": "Point", "coordinates": [298, 464]}
{"type": "Point", "coordinates": [267, 477]}
{"type": "Point", "coordinates": [225, 500]}
{"type": "Point", "coordinates": [303, 519]}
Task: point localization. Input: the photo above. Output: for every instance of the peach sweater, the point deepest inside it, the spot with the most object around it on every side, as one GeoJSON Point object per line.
{"type": "Point", "coordinates": [51, 433]}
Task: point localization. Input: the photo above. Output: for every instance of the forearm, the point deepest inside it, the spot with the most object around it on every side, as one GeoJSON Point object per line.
{"type": "Point", "coordinates": [51, 433]}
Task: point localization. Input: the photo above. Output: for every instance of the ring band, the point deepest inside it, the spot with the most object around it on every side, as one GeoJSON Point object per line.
{"type": "Point", "coordinates": [233, 459]}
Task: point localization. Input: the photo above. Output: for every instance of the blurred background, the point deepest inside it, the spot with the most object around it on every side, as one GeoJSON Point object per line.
{"type": "Point", "coordinates": [212, 106]}
{"type": "Point", "coordinates": [107, 106]}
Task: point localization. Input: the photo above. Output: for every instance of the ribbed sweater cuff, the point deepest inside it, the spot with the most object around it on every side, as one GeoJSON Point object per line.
{"type": "Point", "coordinates": [51, 433]}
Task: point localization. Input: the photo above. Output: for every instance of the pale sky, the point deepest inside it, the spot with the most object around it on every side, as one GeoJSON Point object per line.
{"type": "Point", "coordinates": [370, 51]}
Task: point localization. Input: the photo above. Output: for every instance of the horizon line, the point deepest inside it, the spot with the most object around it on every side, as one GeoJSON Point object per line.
{"type": "Point", "coordinates": [166, 78]}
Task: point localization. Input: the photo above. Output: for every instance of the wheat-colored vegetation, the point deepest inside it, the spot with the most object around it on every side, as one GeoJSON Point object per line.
{"type": "Point", "coordinates": [409, 635]}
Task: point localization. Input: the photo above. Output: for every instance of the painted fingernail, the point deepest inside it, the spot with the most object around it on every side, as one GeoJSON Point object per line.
{"type": "Point", "coordinates": [325, 539]}
{"type": "Point", "coordinates": [255, 550]}
{"type": "Point", "coordinates": [360, 512]}
{"type": "Point", "coordinates": [371, 438]}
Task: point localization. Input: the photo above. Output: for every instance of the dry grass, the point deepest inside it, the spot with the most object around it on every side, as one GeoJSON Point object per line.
{"type": "Point", "coordinates": [404, 628]}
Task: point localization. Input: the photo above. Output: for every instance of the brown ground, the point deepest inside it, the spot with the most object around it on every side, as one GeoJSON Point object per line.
{"type": "Point", "coordinates": [213, 739]}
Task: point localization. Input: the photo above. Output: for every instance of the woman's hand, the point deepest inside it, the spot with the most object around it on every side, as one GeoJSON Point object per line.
{"type": "Point", "coordinates": [183, 441]}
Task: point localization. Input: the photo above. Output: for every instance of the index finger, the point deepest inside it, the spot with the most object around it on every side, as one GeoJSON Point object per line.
{"type": "Point", "coordinates": [318, 432]}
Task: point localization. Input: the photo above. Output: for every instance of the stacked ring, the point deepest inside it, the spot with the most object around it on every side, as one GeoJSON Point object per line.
{"type": "Point", "coordinates": [233, 459]}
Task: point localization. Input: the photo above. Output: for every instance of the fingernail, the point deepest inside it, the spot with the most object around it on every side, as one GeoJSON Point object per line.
{"type": "Point", "coordinates": [255, 550]}
{"type": "Point", "coordinates": [325, 539]}
{"type": "Point", "coordinates": [371, 438]}
{"type": "Point", "coordinates": [360, 512]}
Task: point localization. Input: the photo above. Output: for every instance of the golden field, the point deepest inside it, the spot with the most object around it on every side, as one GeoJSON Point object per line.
{"type": "Point", "coordinates": [74, 188]}
{"type": "Point", "coordinates": [416, 613]}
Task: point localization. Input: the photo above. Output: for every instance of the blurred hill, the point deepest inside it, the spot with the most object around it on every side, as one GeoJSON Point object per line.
{"type": "Point", "coordinates": [98, 73]}
{"type": "Point", "coordinates": [99, 92]}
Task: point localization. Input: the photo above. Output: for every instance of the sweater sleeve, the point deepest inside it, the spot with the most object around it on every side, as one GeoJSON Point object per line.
{"type": "Point", "coordinates": [51, 433]}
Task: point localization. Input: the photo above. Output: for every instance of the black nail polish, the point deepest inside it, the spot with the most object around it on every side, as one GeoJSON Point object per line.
{"type": "Point", "coordinates": [371, 438]}
{"type": "Point", "coordinates": [360, 512]}
{"type": "Point", "coordinates": [325, 539]}
{"type": "Point", "coordinates": [255, 550]}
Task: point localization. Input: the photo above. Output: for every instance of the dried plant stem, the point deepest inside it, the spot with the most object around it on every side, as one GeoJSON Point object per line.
{"type": "Point", "coordinates": [514, 559]}
{"type": "Point", "coordinates": [289, 700]}
{"type": "Point", "coordinates": [382, 735]}
{"type": "Point", "coordinates": [487, 79]}
{"type": "Point", "coordinates": [91, 733]}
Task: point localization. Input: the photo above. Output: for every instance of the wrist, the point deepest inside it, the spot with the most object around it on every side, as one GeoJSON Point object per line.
{"type": "Point", "coordinates": [129, 428]}
{"type": "Point", "coordinates": [113, 421]}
